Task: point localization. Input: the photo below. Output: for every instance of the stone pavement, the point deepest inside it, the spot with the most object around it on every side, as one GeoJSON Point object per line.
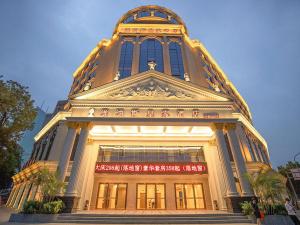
{"type": "Point", "coordinates": [5, 213]}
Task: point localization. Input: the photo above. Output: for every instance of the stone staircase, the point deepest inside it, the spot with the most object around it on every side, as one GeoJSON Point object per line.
{"type": "Point", "coordinates": [152, 219]}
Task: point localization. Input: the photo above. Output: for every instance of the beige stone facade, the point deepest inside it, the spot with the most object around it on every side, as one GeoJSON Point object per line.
{"type": "Point", "coordinates": [176, 135]}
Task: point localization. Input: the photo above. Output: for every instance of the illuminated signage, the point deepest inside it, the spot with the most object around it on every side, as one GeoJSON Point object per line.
{"type": "Point", "coordinates": [152, 168]}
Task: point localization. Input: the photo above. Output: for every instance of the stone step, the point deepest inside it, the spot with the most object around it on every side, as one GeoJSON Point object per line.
{"type": "Point", "coordinates": [211, 222]}
{"type": "Point", "coordinates": [152, 215]}
{"type": "Point", "coordinates": [152, 219]}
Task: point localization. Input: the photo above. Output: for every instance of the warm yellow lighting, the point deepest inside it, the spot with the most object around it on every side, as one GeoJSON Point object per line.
{"type": "Point", "coordinates": [197, 43]}
{"type": "Point", "coordinates": [202, 130]}
{"type": "Point", "coordinates": [101, 130]}
{"type": "Point", "coordinates": [126, 129]}
{"type": "Point", "coordinates": [152, 129]}
{"type": "Point", "coordinates": [177, 129]}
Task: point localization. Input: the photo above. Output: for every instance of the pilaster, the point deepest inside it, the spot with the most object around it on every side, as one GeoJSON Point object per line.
{"type": "Point", "coordinates": [66, 151]}
{"type": "Point", "coordinates": [166, 55]}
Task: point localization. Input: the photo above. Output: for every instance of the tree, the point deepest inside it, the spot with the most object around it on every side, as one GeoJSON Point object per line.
{"type": "Point", "coordinates": [16, 115]}
{"type": "Point", "coordinates": [49, 184]}
{"type": "Point", "coordinates": [268, 185]}
{"type": "Point", "coordinates": [284, 169]}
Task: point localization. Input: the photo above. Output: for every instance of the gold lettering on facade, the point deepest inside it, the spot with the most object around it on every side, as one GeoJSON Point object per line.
{"type": "Point", "coordinates": [134, 112]}
{"type": "Point", "coordinates": [120, 112]}
{"type": "Point", "coordinates": [180, 113]}
{"type": "Point", "coordinates": [165, 113]}
{"type": "Point", "coordinates": [150, 113]}
{"type": "Point", "coordinates": [104, 112]}
{"type": "Point", "coordinates": [195, 113]}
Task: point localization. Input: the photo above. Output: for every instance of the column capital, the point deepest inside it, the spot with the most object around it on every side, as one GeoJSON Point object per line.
{"type": "Point", "coordinates": [217, 126]}
{"type": "Point", "coordinates": [87, 125]}
{"type": "Point", "coordinates": [73, 125]}
{"type": "Point", "coordinates": [230, 126]}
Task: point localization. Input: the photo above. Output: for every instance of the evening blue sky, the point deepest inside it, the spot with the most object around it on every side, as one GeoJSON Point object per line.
{"type": "Point", "coordinates": [256, 43]}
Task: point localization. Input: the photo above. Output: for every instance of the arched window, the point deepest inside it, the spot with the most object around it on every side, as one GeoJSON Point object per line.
{"type": "Point", "coordinates": [176, 62]}
{"type": "Point", "coordinates": [126, 59]}
{"type": "Point", "coordinates": [151, 50]}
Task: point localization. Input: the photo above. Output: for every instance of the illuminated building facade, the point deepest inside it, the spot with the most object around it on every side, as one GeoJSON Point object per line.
{"type": "Point", "coordinates": [151, 122]}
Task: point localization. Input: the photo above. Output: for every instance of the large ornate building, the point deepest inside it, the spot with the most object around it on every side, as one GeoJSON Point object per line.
{"type": "Point", "coordinates": [151, 122]}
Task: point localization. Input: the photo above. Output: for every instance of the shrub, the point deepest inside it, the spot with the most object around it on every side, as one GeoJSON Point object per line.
{"type": "Point", "coordinates": [279, 209]}
{"type": "Point", "coordinates": [247, 208]}
{"type": "Point", "coordinates": [32, 206]}
{"type": "Point", "coordinates": [53, 207]}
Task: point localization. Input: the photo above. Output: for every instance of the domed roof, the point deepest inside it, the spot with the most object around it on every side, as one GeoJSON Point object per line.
{"type": "Point", "coordinates": [150, 14]}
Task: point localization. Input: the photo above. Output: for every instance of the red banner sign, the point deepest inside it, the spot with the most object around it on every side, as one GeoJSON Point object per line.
{"type": "Point", "coordinates": [158, 168]}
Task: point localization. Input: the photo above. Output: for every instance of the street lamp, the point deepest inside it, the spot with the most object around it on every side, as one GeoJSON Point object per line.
{"type": "Point", "coordinates": [296, 156]}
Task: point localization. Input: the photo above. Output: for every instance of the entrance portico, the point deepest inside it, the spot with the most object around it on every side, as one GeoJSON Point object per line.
{"type": "Point", "coordinates": [134, 136]}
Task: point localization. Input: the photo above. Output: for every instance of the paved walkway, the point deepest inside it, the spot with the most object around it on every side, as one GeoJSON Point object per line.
{"type": "Point", "coordinates": [5, 213]}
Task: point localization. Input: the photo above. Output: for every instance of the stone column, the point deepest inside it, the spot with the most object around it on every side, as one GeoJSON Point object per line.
{"type": "Point", "coordinates": [238, 159]}
{"type": "Point", "coordinates": [135, 57]}
{"type": "Point", "coordinates": [167, 66]}
{"type": "Point", "coordinates": [72, 194]}
{"type": "Point", "coordinates": [66, 151]}
{"type": "Point", "coordinates": [225, 160]}
{"type": "Point", "coordinates": [215, 176]}
{"type": "Point", "coordinates": [58, 142]}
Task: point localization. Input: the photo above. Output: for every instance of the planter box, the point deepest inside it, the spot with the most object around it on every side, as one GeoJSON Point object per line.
{"type": "Point", "coordinates": [277, 220]}
{"type": "Point", "coordinates": [33, 218]}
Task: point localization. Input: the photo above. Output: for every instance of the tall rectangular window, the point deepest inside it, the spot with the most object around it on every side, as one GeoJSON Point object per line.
{"type": "Point", "coordinates": [151, 51]}
{"type": "Point", "coordinates": [111, 196]}
{"type": "Point", "coordinates": [125, 63]}
{"type": "Point", "coordinates": [176, 62]}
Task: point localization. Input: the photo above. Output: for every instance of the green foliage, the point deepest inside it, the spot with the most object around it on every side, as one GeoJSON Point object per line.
{"type": "Point", "coordinates": [53, 207]}
{"type": "Point", "coordinates": [284, 169]}
{"type": "Point", "coordinates": [276, 209]}
{"type": "Point", "coordinates": [268, 185]}
{"type": "Point", "coordinates": [31, 207]}
{"type": "Point", "coordinates": [16, 115]}
{"type": "Point", "coordinates": [247, 208]}
{"type": "Point", "coordinates": [49, 183]}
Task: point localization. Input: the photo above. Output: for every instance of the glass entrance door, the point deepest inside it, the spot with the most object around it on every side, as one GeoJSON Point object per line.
{"type": "Point", "coordinates": [112, 196]}
{"type": "Point", "coordinates": [189, 196]}
{"type": "Point", "coordinates": [151, 196]}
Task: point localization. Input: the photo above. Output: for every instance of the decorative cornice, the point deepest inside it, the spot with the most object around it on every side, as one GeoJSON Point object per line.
{"type": "Point", "coordinates": [27, 172]}
{"type": "Point", "coordinates": [58, 117]}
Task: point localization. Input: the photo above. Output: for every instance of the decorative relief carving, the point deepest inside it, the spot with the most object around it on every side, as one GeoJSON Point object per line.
{"type": "Point", "coordinates": [91, 112]}
{"type": "Point", "coordinates": [152, 88]}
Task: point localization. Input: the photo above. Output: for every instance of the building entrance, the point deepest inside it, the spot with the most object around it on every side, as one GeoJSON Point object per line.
{"type": "Point", "coordinates": [189, 196]}
{"type": "Point", "coordinates": [151, 196]}
{"type": "Point", "coordinates": [111, 196]}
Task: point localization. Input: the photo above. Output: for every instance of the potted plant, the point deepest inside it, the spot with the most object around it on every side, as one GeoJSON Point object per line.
{"type": "Point", "coordinates": [248, 211]}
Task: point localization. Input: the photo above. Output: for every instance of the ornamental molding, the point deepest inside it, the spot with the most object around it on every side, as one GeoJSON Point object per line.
{"type": "Point", "coordinates": [152, 86]}
{"type": "Point", "coordinates": [152, 89]}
